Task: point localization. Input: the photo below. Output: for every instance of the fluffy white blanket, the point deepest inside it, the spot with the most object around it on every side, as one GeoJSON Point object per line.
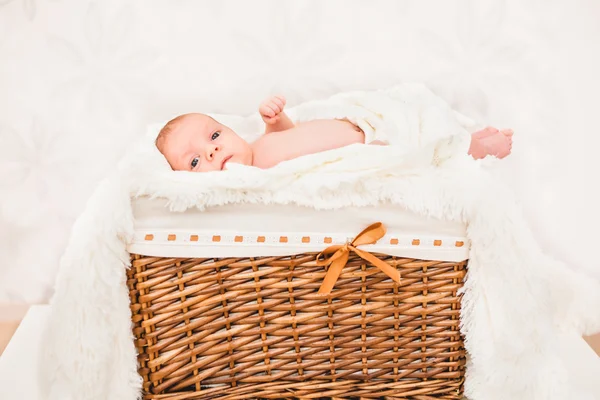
{"type": "Point", "coordinates": [521, 309]}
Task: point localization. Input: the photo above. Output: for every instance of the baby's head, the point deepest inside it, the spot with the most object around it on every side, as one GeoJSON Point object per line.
{"type": "Point", "coordinates": [198, 143]}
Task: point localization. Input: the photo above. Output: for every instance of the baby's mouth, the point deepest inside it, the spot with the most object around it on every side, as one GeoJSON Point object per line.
{"type": "Point", "coordinates": [225, 162]}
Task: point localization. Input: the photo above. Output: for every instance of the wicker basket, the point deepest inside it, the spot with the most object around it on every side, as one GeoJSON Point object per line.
{"type": "Point", "coordinates": [246, 328]}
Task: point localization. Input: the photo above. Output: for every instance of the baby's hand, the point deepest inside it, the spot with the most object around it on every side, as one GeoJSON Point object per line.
{"type": "Point", "coordinates": [271, 108]}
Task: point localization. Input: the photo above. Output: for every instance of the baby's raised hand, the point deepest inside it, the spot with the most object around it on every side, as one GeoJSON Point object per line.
{"type": "Point", "coordinates": [271, 108]}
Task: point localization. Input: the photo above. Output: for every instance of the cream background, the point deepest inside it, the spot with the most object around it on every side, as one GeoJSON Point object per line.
{"type": "Point", "coordinates": [79, 80]}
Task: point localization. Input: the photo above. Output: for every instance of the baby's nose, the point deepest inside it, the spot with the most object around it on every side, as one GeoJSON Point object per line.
{"type": "Point", "coordinates": [211, 150]}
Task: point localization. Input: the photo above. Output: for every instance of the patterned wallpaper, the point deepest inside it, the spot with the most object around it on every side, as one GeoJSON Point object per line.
{"type": "Point", "coordinates": [79, 80]}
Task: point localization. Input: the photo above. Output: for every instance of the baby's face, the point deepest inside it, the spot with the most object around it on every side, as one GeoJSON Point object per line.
{"type": "Point", "coordinates": [198, 143]}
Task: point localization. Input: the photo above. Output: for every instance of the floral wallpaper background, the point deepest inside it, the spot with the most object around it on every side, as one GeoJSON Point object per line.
{"type": "Point", "coordinates": [79, 80]}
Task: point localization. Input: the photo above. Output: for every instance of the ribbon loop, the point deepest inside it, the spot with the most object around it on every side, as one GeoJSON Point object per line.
{"type": "Point", "coordinates": [370, 235]}
{"type": "Point", "coordinates": [341, 254]}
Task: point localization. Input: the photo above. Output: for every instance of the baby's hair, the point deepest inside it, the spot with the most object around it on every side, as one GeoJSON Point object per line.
{"type": "Point", "coordinates": [167, 129]}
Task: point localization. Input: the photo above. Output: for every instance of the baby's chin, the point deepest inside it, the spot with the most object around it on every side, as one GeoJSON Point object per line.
{"type": "Point", "coordinates": [232, 165]}
{"type": "Point", "coordinates": [238, 160]}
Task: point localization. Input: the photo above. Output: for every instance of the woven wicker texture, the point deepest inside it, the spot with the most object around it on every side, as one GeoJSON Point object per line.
{"type": "Point", "coordinates": [257, 328]}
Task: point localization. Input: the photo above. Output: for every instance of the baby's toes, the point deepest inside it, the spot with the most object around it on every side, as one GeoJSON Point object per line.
{"type": "Point", "coordinates": [507, 132]}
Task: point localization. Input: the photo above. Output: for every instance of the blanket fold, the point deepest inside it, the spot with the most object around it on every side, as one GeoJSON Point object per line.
{"type": "Point", "coordinates": [519, 305]}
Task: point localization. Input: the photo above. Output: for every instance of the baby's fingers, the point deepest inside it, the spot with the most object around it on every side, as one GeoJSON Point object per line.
{"type": "Point", "coordinates": [267, 111]}
{"type": "Point", "coordinates": [271, 121]}
{"type": "Point", "coordinates": [280, 101]}
{"type": "Point", "coordinates": [274, 107]}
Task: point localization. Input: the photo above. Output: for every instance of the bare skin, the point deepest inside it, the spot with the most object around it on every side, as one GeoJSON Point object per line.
{"type": "Point", "coordinates": [198, 143]}
{"type": "Point", "coordinates": [491, 141]}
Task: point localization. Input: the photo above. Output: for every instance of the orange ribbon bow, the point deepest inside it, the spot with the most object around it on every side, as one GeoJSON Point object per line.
{"type": "Point", "coordinates": [341, 254]}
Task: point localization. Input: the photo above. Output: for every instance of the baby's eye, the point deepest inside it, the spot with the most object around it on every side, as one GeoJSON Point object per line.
{"type": "Point", "coordinates": [215, 135]}
{"type": "Point", "coordinates": [194, 162]}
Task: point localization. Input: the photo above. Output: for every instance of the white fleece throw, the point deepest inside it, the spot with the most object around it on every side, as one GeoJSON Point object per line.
{"type": "Point", "coordinates": [522, 311]}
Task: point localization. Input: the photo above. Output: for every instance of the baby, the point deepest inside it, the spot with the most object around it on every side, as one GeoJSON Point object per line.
{"type": "Point", "coordinates": [198, 143]}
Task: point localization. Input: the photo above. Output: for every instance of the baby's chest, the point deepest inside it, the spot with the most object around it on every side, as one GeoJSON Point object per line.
{"type": "Point", "coordinates": [309, 137]}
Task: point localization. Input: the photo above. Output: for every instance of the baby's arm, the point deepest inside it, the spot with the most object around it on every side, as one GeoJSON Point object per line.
{"type": "Point", "coordinates": [271, 111]}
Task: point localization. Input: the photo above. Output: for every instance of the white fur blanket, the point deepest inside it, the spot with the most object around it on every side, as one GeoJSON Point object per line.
{"type": "Point", "coordinates": [521, 309]}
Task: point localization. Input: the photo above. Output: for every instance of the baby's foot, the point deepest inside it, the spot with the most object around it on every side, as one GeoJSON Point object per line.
{"type": "Point", "coordinates": [491, 141]}
{"type": "Point", "coordinates": [500, 144]}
